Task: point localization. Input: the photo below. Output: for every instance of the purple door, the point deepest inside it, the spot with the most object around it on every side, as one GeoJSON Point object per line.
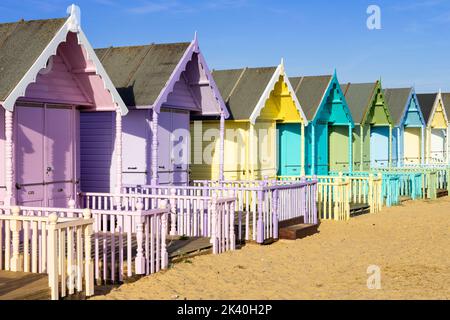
{"type": "Point", "coordinates": [136, 147]}
{"type": "Point", "coordinates": [180, 147]}
{"type": "Point", "coordinates": [44, 155]}
{"type": "Point", "coordinates": [59, 144]}
{"type": "Point", "coordinates": [29, 152]}
{"type": "Point", "coordinates": [164, 149]}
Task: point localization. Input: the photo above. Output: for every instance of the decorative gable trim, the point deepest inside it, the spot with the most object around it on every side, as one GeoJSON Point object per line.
{"type": "Point", "coordinates": [176, 75]}
{"type": "Point", "coordinates": [333, 80]}
{"type": "Point", "coordinates": [280, 71]}
{"type": "Point", "coordinates": [71, 25]}
{"type": "Point", "coordinates": [435, 105]}
{"type": "Point", "coordinates": [412, 96]}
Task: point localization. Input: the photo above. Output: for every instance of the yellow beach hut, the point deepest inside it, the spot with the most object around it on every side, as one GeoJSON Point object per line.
{"type": "Point", "coordinates": [259, 101]}
{"type": "Point", "coordinates": [446, 103]}
{"type": "Point", "coordinates": [437, 127]}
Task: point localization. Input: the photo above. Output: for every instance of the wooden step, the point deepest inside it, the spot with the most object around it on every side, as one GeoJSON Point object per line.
{"type": "Point", "coordinates": [405, 198]}
{"type": "Point", "coordinates": [359, 208]}
{"type": "Point", "coordinates": [442, 193]}
{"type": "Point", "coordinates": [298, 231]}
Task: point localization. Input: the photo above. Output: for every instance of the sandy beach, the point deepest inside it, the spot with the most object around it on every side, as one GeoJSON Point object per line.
{"type": "Point", "coordinates": [409, 243]}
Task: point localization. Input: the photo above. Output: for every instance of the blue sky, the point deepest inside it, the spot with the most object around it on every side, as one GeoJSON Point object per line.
{"type": "Point", "coordinates": [314, 37]}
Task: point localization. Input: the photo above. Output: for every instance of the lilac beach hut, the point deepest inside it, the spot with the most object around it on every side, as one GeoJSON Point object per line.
{"type": "Point", "coordinates": [162, 85]}
{"type": "Point", "coordinates": [49, 75]}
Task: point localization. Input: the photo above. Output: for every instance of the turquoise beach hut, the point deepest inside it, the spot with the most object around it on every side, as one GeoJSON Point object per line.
{"type": "Point", "coordinates": [329, 132]}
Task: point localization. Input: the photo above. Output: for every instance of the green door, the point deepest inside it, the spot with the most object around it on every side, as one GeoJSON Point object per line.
{"type": "Point", "coordinates": [338, 148]}
{"type": "Point", "coordinates": [289, 149]}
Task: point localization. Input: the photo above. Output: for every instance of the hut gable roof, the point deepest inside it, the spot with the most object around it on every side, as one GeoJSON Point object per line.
{"type": "Point", "coordinates": [397, 100]}
{"type": "Point", "coordinates": [359, 97]}
{"type": "Point", "coordinates": [446, 102]}
{"type": "Point", "coordinates": [146, 75]}
{"type": "Point", "coordinates": [242, 89]}
{"type": "Point", "coordinates": [21, 43]}
{"type": "Point", "coordinates": [427, 102]}
{"type": "Point", "coordinates": [141, 72]}
{"type": "Point", "coordinates": [26, 47]}
{"type": "Point", "coordinates": [310, 91]}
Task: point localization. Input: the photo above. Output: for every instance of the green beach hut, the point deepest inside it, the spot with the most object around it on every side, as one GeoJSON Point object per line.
{"type": "Point", "coordinates": [372, 135]}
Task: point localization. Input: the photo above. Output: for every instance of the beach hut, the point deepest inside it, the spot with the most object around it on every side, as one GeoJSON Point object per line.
{"type": "Point", "coordinates": [328, 135]}
{"type": "Point", "coordinates": [437, 127]}
{"type": "Point", "coordinates": [49, 74]}
{"type": "Point", "coordinates": [260, 101]}
{"type": "Point", "coordinates": [446, 103]}
{"type": "Point", "coordinates": [408, 140]}
{"type": "Point", "coordinates": [372, 134]}
{"type": "Point", "coordinates": [162, 85]}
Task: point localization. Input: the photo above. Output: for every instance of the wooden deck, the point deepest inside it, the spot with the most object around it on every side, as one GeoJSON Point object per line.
{"type": "Point", "coordinates": [32, 286]}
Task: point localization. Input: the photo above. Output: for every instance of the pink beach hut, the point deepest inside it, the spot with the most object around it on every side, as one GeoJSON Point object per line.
{"type": "Point", "coordinates": [163, 85]}
{"type": "Point", "coordinates": [49, 74]}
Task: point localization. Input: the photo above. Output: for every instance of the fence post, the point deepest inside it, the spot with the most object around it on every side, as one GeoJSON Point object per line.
{"type": "Point", "coordinates": [232, 236]}
{"type": "Point", "coordinates": [53, 273]}
{"type": "Point", "coordinates": [140, 259]}
{"type": "Point", "coordinates": [173, 212]}
{"type": "Point", "coordinates": [164, 229]}
{"type": "Point", "coordinates": [214, 240]}
{"type": "Point", "coordinates": [260, 222]}
{"type": "Point", "coordinates": [347, 198]}
{"type": "Point", "coordinates": [371, 194]}
{"type": "Point", "coordinates": [315, 202]}
{"type": "Point", "coordinates": [379, 191]}
{"type": "Point", "coordinates": [88, 265]}
{"type": "Point", "coordinates": [275, 212]}
{"type": "Point", "coordinates": [16, 226]}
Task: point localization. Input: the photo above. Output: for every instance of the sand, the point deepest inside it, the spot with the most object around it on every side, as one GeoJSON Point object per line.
{"type": "Point", "coordinates": [409, 243]}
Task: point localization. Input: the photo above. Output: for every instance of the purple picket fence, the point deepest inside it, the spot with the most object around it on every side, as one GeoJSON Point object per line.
{"type": "Point", "coordinates": [261, 205]}
{"type": "Point", "coordinates": [190, 215]}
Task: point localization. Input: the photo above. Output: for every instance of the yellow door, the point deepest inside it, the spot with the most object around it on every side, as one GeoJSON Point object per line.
{"type": "Point", "coordinates": [265, 150]}
{"type": "Point", "coordinates": [412, 143]}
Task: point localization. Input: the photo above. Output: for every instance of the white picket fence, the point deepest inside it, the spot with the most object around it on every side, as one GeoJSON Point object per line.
{"type": "Point", "coordinates": [60, 247]}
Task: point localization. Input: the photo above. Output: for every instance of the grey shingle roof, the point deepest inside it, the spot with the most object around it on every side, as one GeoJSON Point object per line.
{"type": "Point", "coordinates": [446, 102]}
{"type": "Point", "coordinates": [21, 43]}
{"type": "Point", "coordinates": [141, 72]}
{"type": "Point", "coordinates": [359, 97]}
{"type": "Point", "coordinates": [310, 91]}
{"type": "Point", "coordinates": [426, 101]}
{"type": "Point", "coordinates": [396, 100]}
{"type": "Point", "coordinates": [242, 89]}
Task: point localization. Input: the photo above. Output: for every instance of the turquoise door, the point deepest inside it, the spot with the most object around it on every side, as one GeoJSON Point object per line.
{"type": "Point", "coordinates": [379, 147]}
{"type": "Point", "coordinates": [321, 149]}
{"type": "Point", "coordinates": [289, 149]}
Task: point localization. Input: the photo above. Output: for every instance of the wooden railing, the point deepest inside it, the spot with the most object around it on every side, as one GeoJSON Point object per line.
{"type": "Point", "coordinates": [362, 189]}
{"type": "Point", "coordinates": [126, 242]}
{"type": "Point", "coordinates": [189, 215]}
{"type": "Point", "coordinates": [263, 203]}
{"type": "Point", "coordinates": [60, 247]}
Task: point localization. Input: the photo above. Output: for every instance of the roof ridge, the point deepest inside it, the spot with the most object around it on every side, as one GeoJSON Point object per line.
{"type": "Point", "coordinates": [133, 72]}
{"type": "Point", "coordinates": [298, 85]}
{"type": "Point", "coordinates": [236, 84]}
{"type": "Point", "coordinates": [108, 50]}
{"type": "Point", "coordinates": [346, 88]}
{"type": "Point", "coordinates": [147, 45]}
